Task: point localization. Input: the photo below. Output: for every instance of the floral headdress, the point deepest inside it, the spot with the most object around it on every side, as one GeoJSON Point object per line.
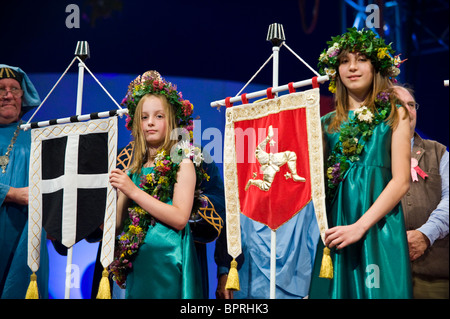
{"type": "Point", "coordinates": [151, 82]}
{"type": "Point", "coordinates": [160, 183]}
{"type": "Point", "coordinates": [363, 41]}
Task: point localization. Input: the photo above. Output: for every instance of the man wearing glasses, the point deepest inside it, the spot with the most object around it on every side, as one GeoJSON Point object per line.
{"type": "Point", "coordinates": [426, 207]}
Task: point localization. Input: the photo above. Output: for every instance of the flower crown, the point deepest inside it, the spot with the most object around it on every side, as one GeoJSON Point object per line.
{"type": "Point", "coordinates": [151, 82]}
{"type": "Point", "coordinates": [365, 42]}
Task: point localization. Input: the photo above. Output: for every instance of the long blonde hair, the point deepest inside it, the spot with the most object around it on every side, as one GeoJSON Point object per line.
{"type": "Point", "coordinates": [141, 153]}
{"type": "Point", "coordinates": [380, 84]}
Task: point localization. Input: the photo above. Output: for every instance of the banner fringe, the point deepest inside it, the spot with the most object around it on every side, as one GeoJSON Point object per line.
{"type": "Point", "coordinates": [326, 269]}
{"type": "Point", "coordinates": [233, 277]}
{"type": "Point", "coordinates": [32, 291]}
{"type": "Point", "coordinates": [104, 290]}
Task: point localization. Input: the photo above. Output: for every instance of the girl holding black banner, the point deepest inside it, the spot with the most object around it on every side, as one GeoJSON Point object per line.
{"type": "Point", "coordinates": [155, 255]}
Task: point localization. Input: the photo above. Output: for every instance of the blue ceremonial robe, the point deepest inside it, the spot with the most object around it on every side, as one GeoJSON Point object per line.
{"type": "Point", "coordinates": [295, 251]}
{"type": "Point", "coordinates": [14, 271]}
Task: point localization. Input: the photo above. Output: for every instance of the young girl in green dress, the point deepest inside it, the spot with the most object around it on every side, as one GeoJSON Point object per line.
{"type": "Point", "coordinates": [367, 148]}
{"type": "Point", "coordinates": [155, 255]}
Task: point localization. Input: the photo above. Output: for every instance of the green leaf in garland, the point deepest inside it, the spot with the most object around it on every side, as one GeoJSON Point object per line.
{"type": "Point", "coordinates": [348, 149]}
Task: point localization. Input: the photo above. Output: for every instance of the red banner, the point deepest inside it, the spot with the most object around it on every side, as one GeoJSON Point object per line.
{"type": "Point", "coordinates": [272, 164]}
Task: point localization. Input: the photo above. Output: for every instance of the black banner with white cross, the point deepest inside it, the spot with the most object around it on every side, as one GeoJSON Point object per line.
{"type": "Point", "coordinates": [70, 194]}
{"type": "Point", "coordinates": [74, 184]}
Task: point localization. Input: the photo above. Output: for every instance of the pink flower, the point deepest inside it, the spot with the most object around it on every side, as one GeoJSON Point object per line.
{"type": "Point", "coordinates": [187, 108]}
{"type": "Point", "coordinates": [334, 53]}
{"type": "Point", "coordinates": [127, 122]}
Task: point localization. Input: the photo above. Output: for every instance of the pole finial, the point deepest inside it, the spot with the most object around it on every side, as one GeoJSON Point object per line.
{"type": "Point", "coordinates": [82, 50]}
{"type": "Point", "coordinates": [276, 34]}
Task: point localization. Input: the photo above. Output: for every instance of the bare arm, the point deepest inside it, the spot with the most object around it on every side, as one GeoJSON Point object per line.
{"type": "Point", "coordinates": [122, 209]}
{"type": "Point", "coordinates": [175, 215]}
{"type": "Point", "coordinates": [397, 187]}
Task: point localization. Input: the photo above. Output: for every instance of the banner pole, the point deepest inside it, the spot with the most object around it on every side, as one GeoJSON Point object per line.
{"type": "Point", "coordinates": [80, 88]}
{"type": "Point", "coordinates": [256, 94]}
{"type": "Point", "coordinates": [276, 36]}
{"type": "Point", "coordinates": [81, 51]}
{"type": "Point", "coordinates": [273, 236]}
{"type": "Point", "coordinates": [68, 273]}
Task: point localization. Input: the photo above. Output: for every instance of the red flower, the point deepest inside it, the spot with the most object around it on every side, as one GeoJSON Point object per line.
{"type": "Point", "coordinates": [187, 108]}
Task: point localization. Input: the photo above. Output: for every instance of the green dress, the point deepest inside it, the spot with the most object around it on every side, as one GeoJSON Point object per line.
{"type": "Point", "coordinates": [166, 265]}
{"type": "Point", "coordinates": [377, 266]}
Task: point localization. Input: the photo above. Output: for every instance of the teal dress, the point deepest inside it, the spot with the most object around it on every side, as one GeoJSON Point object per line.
{"type": "Point", "coordinates": [166, 265]}
{"type": "Point", "coordinates": [377, 266]}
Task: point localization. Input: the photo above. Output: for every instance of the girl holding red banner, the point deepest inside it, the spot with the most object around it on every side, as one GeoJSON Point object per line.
{"type": "Point", "coordinates": [367, 148]}
{"type": "Point", "coordinates": [155, 255]}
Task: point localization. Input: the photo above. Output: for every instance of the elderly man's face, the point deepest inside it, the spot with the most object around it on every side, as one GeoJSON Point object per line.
{"type": "Point", "coordinates": [11, 102]}
{"type": "Point", "coordinates": [408, 101]}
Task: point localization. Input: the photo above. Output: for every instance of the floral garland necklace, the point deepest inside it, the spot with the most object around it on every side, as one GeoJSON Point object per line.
{"type": "Point", "coordinates": [159, 184]}
{"type": "Point", "coordinates": [353, 135]}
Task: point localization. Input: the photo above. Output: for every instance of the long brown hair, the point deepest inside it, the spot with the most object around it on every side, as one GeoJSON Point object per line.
{"type": "Point", "coordinates": [141, 153]}
{"type": "Point", "coordinates": [380, 84]}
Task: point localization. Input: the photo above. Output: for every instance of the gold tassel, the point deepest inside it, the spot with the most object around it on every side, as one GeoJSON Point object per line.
{"type": "Point", "coordinates": [233, 277]}
{"type": "Point", "coordinates": [104, 291]}
{"type": "Point", "coordinates": [326, 269]}
{"type": "Point", "coordinates": [32, 291]}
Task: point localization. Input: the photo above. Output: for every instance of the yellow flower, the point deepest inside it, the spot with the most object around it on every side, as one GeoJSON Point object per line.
{"type": "Point", "coordinates": [139, 210]}
{"type": "Point", "coordinates": [332, 87]}
{"type": "Point", "coordinates": [163, 180]}
{"type": "Point", "coordinates": [330, 172]}
{"type": "Point", "coordinates": [382, 52]}
{"type": "Point", "coordinates": [135, 229]}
